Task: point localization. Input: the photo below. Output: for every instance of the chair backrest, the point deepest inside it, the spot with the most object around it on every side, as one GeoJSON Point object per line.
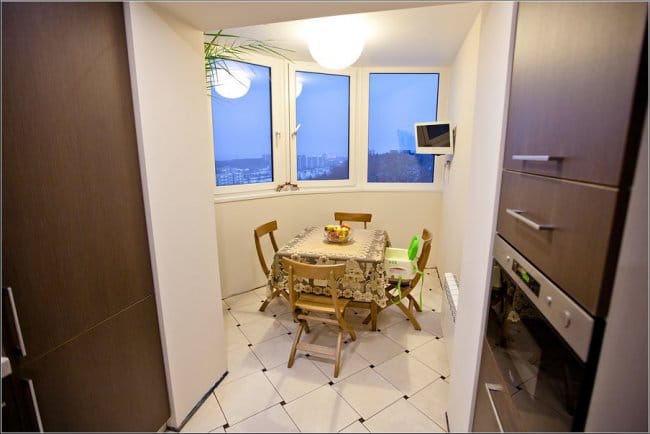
{"type": "Point", "coordinates": [297, 269]}
{"type": "Point", "coordinates": [424, 255]}
{"type": "Point", "coordinates": [259, 232]}
{"type": "Point", "coordinates": [353, 217]}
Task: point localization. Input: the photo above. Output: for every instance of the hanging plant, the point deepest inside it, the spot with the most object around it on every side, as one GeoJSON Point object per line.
{"type": "Point", "coordinates": [223, 47]}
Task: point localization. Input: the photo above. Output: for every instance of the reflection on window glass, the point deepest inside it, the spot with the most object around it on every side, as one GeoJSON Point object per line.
{"type": "Point", "coordinates": [241, 124]}
{"type": "Point", "coordinates": [397, 101]}
{"type": "Point", "coordinates": [322, 111]}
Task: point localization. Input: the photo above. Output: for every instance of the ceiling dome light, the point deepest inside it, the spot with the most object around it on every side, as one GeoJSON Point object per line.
{"type": "Point", "coordinates": [233, 83]}
{"type": "Point", "coordinates": [336, 42]}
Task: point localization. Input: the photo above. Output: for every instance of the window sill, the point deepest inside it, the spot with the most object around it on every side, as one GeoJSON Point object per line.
{"type": "Point", "coordinates": [369, 188]}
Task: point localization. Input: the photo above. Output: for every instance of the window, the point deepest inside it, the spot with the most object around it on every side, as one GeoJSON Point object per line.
{"type": "Point", "coordinates": [241, 123]}
{"type": "Point", "coordinates": [322, 126]}
{"type": "Point", "coordinates": [396, 102]}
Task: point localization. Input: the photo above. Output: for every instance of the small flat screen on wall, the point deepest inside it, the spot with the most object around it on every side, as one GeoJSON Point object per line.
{"type": "Point", "coordinates": [434, 138]}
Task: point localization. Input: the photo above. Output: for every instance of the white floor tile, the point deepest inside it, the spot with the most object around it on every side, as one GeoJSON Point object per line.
{"type": "Point", "coordinates": [434, 355]}
{"type": "Point", "coordinates": [375, 347]}
{"type": "Point", "coordinates": [351, 363]}
{"type": "Point", "coordinates": [273, 419]}
{"type": "Point", "coordinates": [367, 392]}
{"type": "Point", "coordinates": [430, 321]}
{"type": "Point", "coordinates": [404, 334]}
{"type": "Point", "coordinates": [249, 312]}
{"type": "Point", "coordinates": [246, 396]}
{"type": "Point", "coordinates": [322, 410]}
{"type": "Point", "coordinates": [241, 362]}
{"type": "Point", "coordinates": [302, 378]}
{"type": "Point", "coordinates": [401, 417]}
{"type": "Point", "coordinates": [355, 427]}
{"type": "Point", "coordinates": [286, 319]}
{"type": "Point", "coordinates": [407, 374]}
{"type": "Point", "coordinates": [432, 401]}
{"type": "Point", "coordinates": [234, 337]}
{"type": "Point", "coordinates": [274, 352]}
{"type": "Point", "coordinates": [220, 429]}
{"type": "Point", "coordinates": [245, 298]}
{"type": "Point", "coordinates": [389, 316]}
{"type": "Point", "coordinates": [262, 330]}
{"type": "Point", "coordinates": [206, 418]}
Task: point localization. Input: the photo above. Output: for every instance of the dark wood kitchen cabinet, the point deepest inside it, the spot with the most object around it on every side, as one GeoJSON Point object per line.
{"type": "Point", "coordinates": [574, 94]}
{"type": "Point", "coordinates": [75, 253]}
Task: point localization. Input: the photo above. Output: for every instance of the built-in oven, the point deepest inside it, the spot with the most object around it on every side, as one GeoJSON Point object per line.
{"type": "Point", "coordinates": [539, 352]}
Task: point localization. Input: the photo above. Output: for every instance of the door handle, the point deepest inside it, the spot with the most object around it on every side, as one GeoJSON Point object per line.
{"type": "Point", "coordinates": [536, 158]}
{"type": "Point", "coordinates": [489, 388]}
{"type": "Point", "coordinates": [516, 213]}
{"type": "Point", "coordinates": [32, 395]}
{"type": "Point", "coordinates": [7, 292]}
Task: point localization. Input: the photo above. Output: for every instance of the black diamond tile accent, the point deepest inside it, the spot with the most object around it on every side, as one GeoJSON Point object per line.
{"type": "Point", "coordinates": [378, 330]}
{"type": "Point", "coordinates": [275, 316]}
{"type": "Point", "coordinates": [289, 333]}
{"type": "Point", "coordinates": [228, 309]}
{"type": "Point", "coordinates": [250, 345]}
{"type": "Point", "coordinates": [433, 310]}
{"type": "Point", "coordinates": [238, 325]}
{"type": "Point", "coordinates": [437, 337]}
{"type": "Point", "coordinates": [362, 420]}
{"type": "Point", "coordinates": [372, 366]}
{"type": "Point", "coordinates": [263, 369]}
{"type": "Point", "coordinates": [406, 351]}
{"type": "Point", "coordinates": [345, 342]}
{"type": "Point", "coordinates": [331, 383]}
{"type": "Point", "coordinates": [283, 403]}
{"type": "Point", "coordinates": [442, 377]}
{"type": "Point", "coordinates": [226, 425]}
{"type": "Point", "coordinates": [406, 397]}
{"type": "Point", "coordinates": [307, 355]}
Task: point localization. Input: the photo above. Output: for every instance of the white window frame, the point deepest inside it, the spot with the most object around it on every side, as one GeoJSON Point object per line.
{"type": "Point", "coordinates": [352, 130]}
{"type": "Point", "coordinates": [363, 75]}
{"type": "Point", "coordinates": [279, 142]}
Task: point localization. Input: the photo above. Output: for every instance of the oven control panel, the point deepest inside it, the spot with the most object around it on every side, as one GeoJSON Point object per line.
{"type": "Point", "coordinates": [572, 322]}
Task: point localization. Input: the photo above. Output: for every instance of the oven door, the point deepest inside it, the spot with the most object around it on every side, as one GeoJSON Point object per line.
{"type": "Point", "coordinates": [538, 343]}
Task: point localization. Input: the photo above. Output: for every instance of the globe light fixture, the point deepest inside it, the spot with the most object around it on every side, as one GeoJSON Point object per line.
{"type": "Point", "coordinates": [232, 83]}
{"type": "Point", "coordinates": [336, 42]}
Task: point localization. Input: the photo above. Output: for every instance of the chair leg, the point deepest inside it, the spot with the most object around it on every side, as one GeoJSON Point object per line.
{"type": "Point", "coordinates": [292, 354]}
{"type": "Point", "coordinates": [337, 364]}
{"type": "Point", "coordinates": [415, 303]}
{"type": "Point", "coordinates": [266, 302]}
{"type": "Point", "coordinates": [346, 326]}
{"type": "Point", "coordinates": [410, 316]}
{"type": "Point", "coordinates": [373, 316]}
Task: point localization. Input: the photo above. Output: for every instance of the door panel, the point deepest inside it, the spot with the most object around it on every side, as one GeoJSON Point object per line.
{"type": "Point", "coordinates": [108, 379]}
{"type": "Point", "coordinates": [573, 254]}
{"type": "Point", "coordinates": [75, 247]}
{"type": "Point", "coordinates": [574, 78]}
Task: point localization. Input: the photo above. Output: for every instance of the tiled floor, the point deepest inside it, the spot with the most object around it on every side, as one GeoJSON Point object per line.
{"type": "Point", "coordinates": [393, 380]}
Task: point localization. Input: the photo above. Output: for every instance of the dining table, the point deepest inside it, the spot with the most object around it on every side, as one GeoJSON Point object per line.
{"type": "Point", "coordinates": [364, 280]}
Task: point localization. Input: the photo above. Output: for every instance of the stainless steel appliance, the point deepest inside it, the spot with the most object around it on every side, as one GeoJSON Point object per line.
{"type": "Point", "coordinates": [543, 346]}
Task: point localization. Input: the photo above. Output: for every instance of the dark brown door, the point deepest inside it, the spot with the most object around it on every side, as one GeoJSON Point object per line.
{"type": "Point", "coordinates": [574, 78]}
{"type": "Point", "coordinates": [75, 248]}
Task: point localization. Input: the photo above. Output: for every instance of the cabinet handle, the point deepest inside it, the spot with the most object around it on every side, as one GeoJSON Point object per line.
{"type": "Point", "coordinates": [516, 213]}
{"type": "Point", "coordinates": [37, 412]}
{"type": "Point", "coordinates": [536, 158]}
{"type": "Point", "coordinates": [14, 313]}
{"type": "Point", "coordinates": [492, 387]}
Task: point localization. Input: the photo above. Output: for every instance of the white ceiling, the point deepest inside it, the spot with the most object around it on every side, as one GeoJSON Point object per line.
{"type": "Point", "coordinates": [423, 35]}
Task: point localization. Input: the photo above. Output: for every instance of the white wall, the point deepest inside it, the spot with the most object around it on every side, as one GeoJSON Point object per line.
{"type": "Point", "coordinates": [462, 91]}
{"type": "Point", "coordinates": [175, 147]}
{"type": "Point", "coordinates": [401, 214]}
{"type": "Point", "coordinates": [496, 36]}
{"type": "Point", "coordinates": [620, 397]}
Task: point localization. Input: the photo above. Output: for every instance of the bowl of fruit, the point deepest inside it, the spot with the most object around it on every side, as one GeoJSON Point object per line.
{"type": "Point", "coordinates": [338, 233]}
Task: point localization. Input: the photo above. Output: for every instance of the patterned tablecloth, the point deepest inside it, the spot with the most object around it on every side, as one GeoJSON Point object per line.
{"type": "Point", "coordinates": [364, 279]}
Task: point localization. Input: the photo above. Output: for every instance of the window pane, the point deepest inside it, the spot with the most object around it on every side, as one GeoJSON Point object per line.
{"type": "Point", "coordinates": [241, 124]}
{"type": "Point", "coordinates": [322, 111]}
{"type": "Point", "coordinates": [397, 101]}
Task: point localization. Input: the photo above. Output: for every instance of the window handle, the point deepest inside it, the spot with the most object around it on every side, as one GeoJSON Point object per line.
{"type": "Point", "coordinates": [277, 138]}
{"type": "Point", "coordinates": [294, 132]}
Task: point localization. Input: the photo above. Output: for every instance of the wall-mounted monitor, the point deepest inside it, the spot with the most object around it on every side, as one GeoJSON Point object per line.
{"type": "Point", "coordinates": [434, 138]}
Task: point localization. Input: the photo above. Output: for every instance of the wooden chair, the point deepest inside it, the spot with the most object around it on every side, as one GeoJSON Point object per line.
{"type": "Point", "coordinates": [258, 233]}
{"type": "Point", "coordinates": [353, 217]}
{"type": "Point", "coordinates": [311, 307]}
{"type": "Point", "coordinates": [407, 286]}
